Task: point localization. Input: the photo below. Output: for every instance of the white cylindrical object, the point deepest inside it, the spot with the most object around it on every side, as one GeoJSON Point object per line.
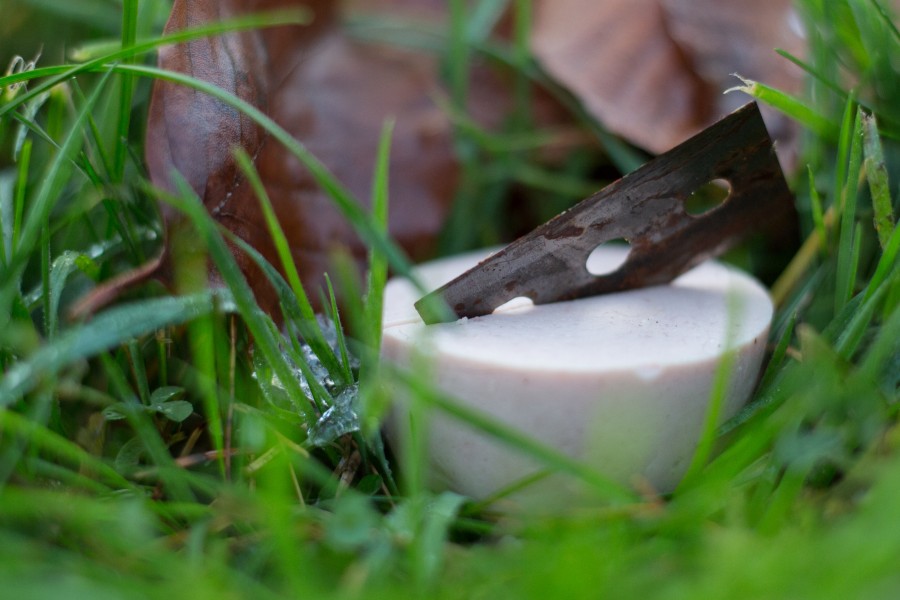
{"type": "Point", "coordinates": [621, 381]}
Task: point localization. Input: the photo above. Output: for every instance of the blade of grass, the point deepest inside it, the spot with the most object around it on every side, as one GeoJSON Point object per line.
{"type": "Point", "coordinates": [26, 121]}
{"type": "Point", "coordinates": [877, 176]}
{"type": "Point", "coordinates": [851, 37]}
{"type": "Point", "coordinates": [309, 326]}
{"type": "Point", "coordinates": [126, 89]}
{"type": "Point", "coordinates": [516, 486]}
{"type": "Point", "coordinates": [61, 448]}
{"type": "Point", "coordinates": [45, 275]}
{"type": "Point", "coordinates": [775, 362]}
{"type": "Point", "coordinates": [483, 19]}
{"type": "Point", "coordinates": [286, 297]}
{"type": "Point", "coordinates": [106, 330]}
{"type": "Point", "coordinates": [39, 411]}
{"type": "Point", "coordinates": [851, 336]}
{"type": "Point", "coordinates": [79, 162]}
{"type": "Point", "coordinates": [789, 105]}
{"type": "Point", "coordinates": [319, 395]}
{"type": "Point", "coordinates": [138, 370]}
{"type": "Point", "coordinates": [21, 189]}
{"type": "Point", "coordinates": [847, 244]}
{"type": "Point", "coordinates": [855, 252]}
{"type": "Point", "coordinates": [6, 193]}
{"type": "Point", "coordinates": [816, 73]}
{"type": "Point", "coordinates": [52, 183]}
{"type": "Point", "coordinates": [263, 336]}
{"type": "Point", "coordinates": [202, 338]}
{"type": "Point", "coordinates": [69, 479]}
{"type": "Point", "coordinates": [886, 263]}
{"type": "Point", "coordinates": [457, 59]}
{"type": "Point", "coordinates": [817, 212]}
{"type": "Point", "coordinates": [428, 548]}
{"type": "Point", "coordinates": [378, 266]}
{"type": "Point", "coordinates": [845, 141]}
{"type": "Point", "coordinates": [59, 74]}
{"type": "Point", "coordinates": [339, 331]}
{"type": "Point", "coordinates": [885, 346]}
{"type": "Point", "coordinates": [886, 17]}
{"type": "Point", "coordinates": [64, 265]}
{"type": "Point", "coordinates": [768, 397]}
{"type": "Point", "coordinates": [372, 397]}
{"type": "Point", "coordinates": [345, 269]}
{"type": "Point", "coordinates": [782, 500]}
{"type": "Point", "coordinates": [892, 297]}
{"type": "Point", "coordinates": [98, 144]}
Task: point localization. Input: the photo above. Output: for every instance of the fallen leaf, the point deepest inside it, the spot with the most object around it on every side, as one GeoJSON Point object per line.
{"type": "Point", "coordinates": [191, 131]}
{"type": "Point", "coordinates": [617, 58]}
{"type": "Point", "coordinates": [653, 71]}
{"type": "Point", "coordinates": [724, 38]}
{"type": "Point", "coordinates": [329, 91]}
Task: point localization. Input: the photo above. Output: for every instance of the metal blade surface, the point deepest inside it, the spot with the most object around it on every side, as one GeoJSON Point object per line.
{"type": "Point", "coordinates": [647, 209]}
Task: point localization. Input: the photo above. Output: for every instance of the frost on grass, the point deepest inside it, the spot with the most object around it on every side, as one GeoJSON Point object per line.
{"type": "Point", "coordinates": [338, 420]}
{"type": "Point", "coordinates": [336, 411]}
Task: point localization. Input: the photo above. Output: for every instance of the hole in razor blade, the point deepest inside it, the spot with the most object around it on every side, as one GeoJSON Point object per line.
{"type": "Point", "coordinates": [608, 257]}
{"type": "Point", "coordinates": [516, 305]}
{"type": "Point", "coordinates": [707, 197]}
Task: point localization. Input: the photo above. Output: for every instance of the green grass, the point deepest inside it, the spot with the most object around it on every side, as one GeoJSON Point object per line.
{"type": "Point", "coordinates": [153, 449]}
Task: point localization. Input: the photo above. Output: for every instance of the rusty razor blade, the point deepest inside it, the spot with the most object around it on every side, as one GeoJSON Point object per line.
{"type": "Point", "coordinates": [647, 209]}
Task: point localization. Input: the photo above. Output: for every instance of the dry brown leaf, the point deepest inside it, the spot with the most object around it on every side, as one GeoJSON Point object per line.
{"type": "Point", "coordinates": [653, 71]}
{"type": "Point", "coordinates": [618, 59]}
{"type": "Point", "coordinates": [330, 92]}
{"type": "Point", "coordinates": [724, 38]}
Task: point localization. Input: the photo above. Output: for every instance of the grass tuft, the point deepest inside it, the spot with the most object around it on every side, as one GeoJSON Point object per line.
{"type": "Point", "coordinates": [174, 438]}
